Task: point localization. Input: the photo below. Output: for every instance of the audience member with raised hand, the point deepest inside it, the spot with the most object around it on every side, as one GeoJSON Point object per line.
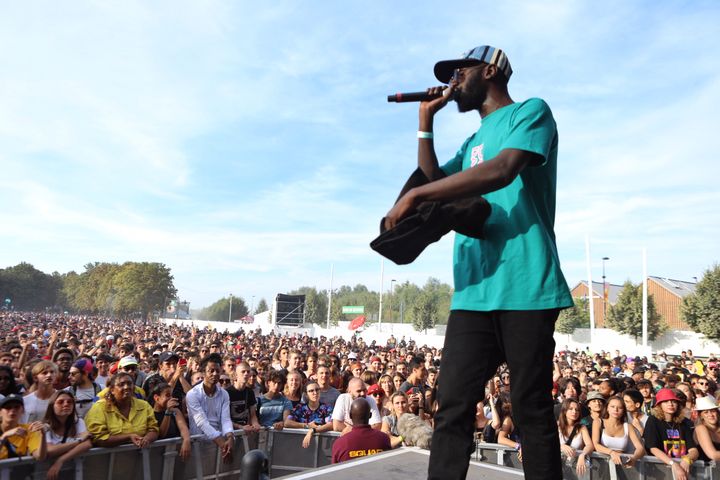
{"type": "Point", "coordinates": [170, 419]}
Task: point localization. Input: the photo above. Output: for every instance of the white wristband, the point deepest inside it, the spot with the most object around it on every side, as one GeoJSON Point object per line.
{"type": "Point", "coordinates": [428, 135]}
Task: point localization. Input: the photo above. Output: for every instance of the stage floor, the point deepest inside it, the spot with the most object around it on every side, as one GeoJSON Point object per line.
{"type": "Point", "coordinates": [406, 463]}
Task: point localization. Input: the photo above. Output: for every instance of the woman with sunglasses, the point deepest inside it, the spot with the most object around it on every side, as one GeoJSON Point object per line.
{"type": "Point", "coordinates": [313, 415]}
{"type": "Point", "coordinates": [67, 436]}
{"type": "Point", "coordinates": [378, 394]}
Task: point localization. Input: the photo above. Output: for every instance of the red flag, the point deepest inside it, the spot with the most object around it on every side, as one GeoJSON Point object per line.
{"type": "Point", "coordinates": [357, 322]}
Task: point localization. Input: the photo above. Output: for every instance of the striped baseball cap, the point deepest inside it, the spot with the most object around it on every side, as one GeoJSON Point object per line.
{"type": "Point", "coordinates": [482, 54]}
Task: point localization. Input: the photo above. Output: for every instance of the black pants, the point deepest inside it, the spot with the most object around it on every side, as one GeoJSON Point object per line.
{"type": "Point", "coordinates": [476, 343]}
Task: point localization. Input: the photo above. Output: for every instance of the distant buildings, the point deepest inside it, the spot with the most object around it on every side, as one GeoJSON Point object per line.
{"type": "Point", "coordinates": [178, 310]}
{"type": "Point", "coordinates": [667, 294]}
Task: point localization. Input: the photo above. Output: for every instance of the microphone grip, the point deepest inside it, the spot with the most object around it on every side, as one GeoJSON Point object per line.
{"type": "Point", "coordinates": [413, 97]}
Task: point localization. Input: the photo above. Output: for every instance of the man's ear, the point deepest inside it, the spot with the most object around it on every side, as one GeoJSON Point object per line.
{"type": "Point", "coordinates": [490, 71]}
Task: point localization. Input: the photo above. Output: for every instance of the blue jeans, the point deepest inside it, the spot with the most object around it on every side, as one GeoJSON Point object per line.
{"type": "Point", "coordinates": [476, 343]}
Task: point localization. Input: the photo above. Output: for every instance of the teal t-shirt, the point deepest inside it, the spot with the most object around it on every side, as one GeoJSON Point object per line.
{"type": "Point", "coordinates": [516, 266]}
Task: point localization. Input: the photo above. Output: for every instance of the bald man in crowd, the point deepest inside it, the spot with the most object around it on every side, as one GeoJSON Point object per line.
{"type": "Point", "coordinates": [362, 440]}
{"type": "Point", "coordinates": [342, 418]}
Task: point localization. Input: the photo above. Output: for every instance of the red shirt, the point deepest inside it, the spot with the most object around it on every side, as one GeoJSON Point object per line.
{"type": "Point", "coordinates": [360, 442]}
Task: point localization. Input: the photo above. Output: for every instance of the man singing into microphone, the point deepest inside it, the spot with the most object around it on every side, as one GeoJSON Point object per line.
{"type": "Point", "coordinates": [509, 287]}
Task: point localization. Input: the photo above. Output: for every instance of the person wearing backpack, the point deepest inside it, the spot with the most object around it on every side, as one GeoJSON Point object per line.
{"type": "Point", "coordinates": [82, 386]}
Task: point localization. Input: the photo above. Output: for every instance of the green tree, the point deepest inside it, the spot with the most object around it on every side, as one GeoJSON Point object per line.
{"type": "Point", "coordinates": [576, 317]}
{"type": "Point", "coordinates": [626, 315]}
{"type": "Point", "coordinates": [442, 295]}
{"type": "Point", "coordinates": [336, 314]}
{"type": "Point", "coordinates": [142, 287]}
{"type": "Point", "coordinates": [28, 288]}
{"type": "Point", "coordinates": [315, 304]}
{"type": "Point", "coordinates": [701, 309]}
{"type": "Point", "coordinates": [424, 311]}
{"type": "Point", "coordinates": [220, 310]}
{"type": "Point", "coordinates": [262, 306]}
{"type": "Point", "coordinates": [405, 296]}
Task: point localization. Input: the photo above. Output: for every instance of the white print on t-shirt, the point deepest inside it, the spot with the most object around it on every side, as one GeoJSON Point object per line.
{"type": "Point", "coordinates": [476, 155]}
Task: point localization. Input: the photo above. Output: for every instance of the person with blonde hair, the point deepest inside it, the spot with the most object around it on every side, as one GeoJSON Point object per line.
{"type": "Point", "coordinates": [293, 387]}
{"type": "Point", "coordinates": [707, 430]}
{"type": "Point", "coordinates": [44, 374]}
{"type": "Point", "coordinates": [399, 405]}
{"type": "Point", "coordinates": [668, 434]}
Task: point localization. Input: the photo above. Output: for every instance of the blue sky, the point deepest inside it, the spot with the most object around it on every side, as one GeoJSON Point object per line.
{"type": "Point", "coordinates": [250, 147]}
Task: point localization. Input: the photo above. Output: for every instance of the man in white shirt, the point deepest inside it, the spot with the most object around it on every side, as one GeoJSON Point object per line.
{"type": "Point", "coordinates": [341, 413]}
{"type": "Point", "coordinates": [209, 408]}
{"type": "Point", "coordinates": [82, 387]}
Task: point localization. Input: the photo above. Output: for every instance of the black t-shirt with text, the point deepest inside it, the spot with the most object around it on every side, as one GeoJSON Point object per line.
{"type": "Point", "coordinates": [240, 403]}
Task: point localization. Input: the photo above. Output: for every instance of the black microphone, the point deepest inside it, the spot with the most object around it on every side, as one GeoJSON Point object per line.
{"type": "Point", "coordinates": [413, 97]}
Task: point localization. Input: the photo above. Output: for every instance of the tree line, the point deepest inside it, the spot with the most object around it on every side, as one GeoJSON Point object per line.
{"type": "Point", "coordinates": [131, 288]}
{"type": "Point", "coordinates": [140, 288]}
{"type": "Point", "coordinates": [424, 307]}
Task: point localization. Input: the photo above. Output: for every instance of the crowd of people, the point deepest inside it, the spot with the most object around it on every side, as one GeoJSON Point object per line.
{"type": "Point", "coordinates": [70, 383]}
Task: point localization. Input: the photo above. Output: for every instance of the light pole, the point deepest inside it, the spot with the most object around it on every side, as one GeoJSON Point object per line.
{"type": "Point", "coordinates": [605, 292]}
{"type": "Point", "coordinates": [392, 284]}
{"type": "Point", "coordinates": [252, 305]}
{"type": "Point", "coordinates": [230, 314]}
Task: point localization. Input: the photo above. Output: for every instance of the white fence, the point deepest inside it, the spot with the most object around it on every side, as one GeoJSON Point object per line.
{"type": "Point", "coordinates": [603, 339]}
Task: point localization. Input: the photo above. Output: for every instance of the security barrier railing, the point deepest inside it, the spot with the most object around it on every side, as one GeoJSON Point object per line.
{"type": "Point", "coordinates": [286, 455]}
{"type": "Point", "coordinates": [600, 467]}
{"type": "Point", "coordinates": [160, 459]}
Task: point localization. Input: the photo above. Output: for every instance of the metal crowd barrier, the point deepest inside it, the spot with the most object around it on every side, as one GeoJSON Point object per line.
{"type": "Point", "coordinates": [286, 455]}
{"type": "Point", "coordinates": [160, 461]}
{"type": "Point", "coordinates": [600, 468]}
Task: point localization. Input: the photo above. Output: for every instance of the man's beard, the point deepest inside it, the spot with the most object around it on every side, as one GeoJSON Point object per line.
{"type": "Point", "coordinates": [470, 98]}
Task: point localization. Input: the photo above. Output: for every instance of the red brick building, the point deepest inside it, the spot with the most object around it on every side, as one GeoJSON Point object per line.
{"type": "Point", "coordinates": [667, 295]}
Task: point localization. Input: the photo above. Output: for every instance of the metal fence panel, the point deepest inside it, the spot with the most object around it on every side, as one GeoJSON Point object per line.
{"type": "Point", "coordinates": [286, 454]}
